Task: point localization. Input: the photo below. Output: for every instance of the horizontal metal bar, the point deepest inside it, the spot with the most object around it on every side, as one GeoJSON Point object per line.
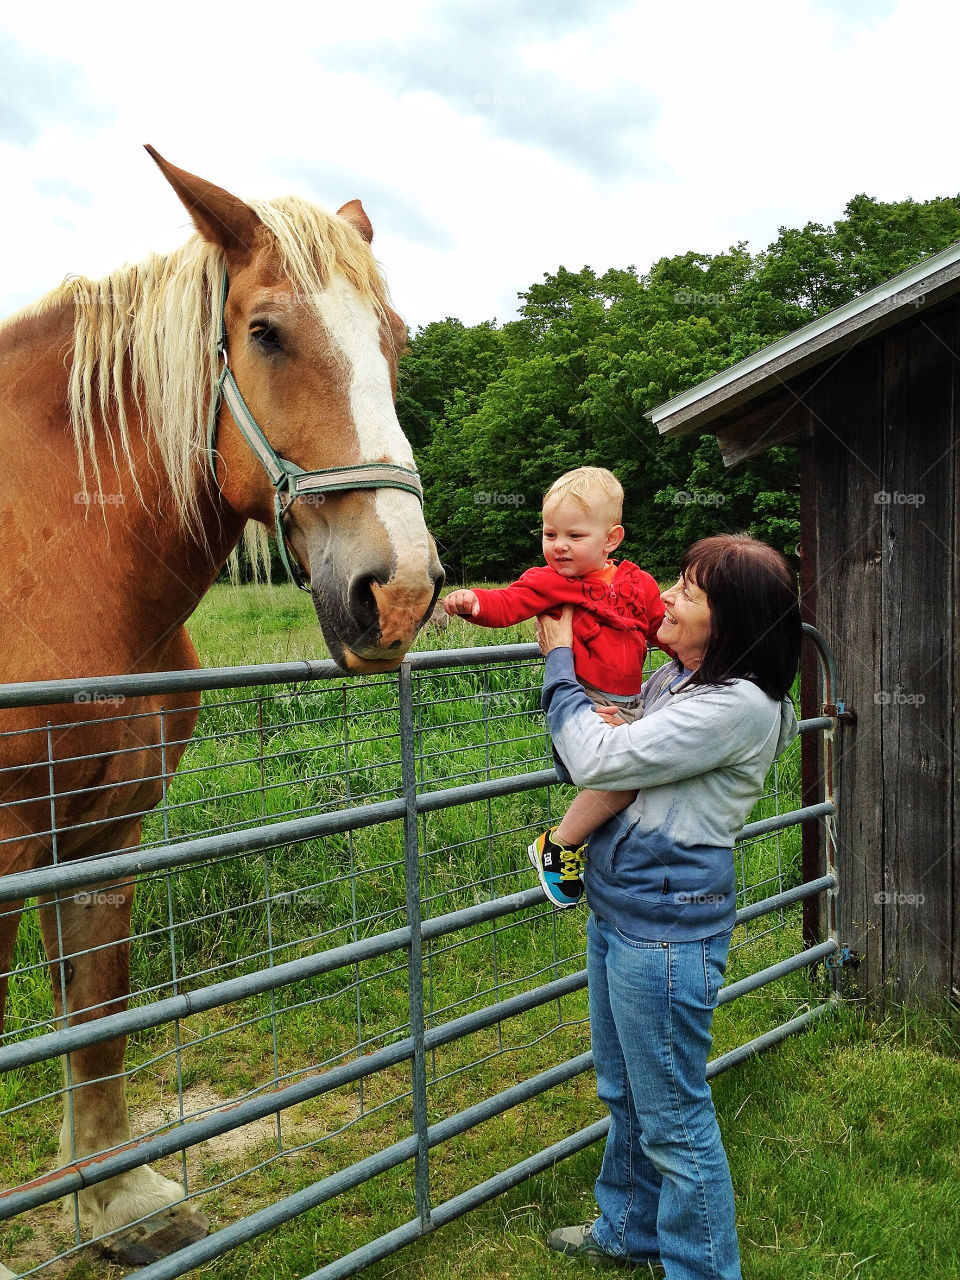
{"type": "Point", "coordinates": [509, 1008]}
{"type": "Point", "coordinates": [41, 693]}
{"type": "Point", "coordinates": [433, 801]}
{"type": "Point", "coordinates": [479, 655]}
{"type": "Point", "coordinates": [101, 870]}
{"type": "Point", "coordinates": [815, 722]}
{"type": "Point", "coordinates": [769, 1038]}
{"type": "Point", "coordinates": [89, 871]}
{"type": "Point", "coordinates": [779, 970]}
{"type": "Point", "coordinates": [189, 1133]}
{"type": "Point", "coordinates": [457, 1206]}
{"type": "Point", "coordinates": [109, 1026]}
{"type": "Point", "coordinates": [281, 1211]}
{"type": "Point", "coordinates": [785, 899]}
{"type": "Point", "coordinates": [781, 820]}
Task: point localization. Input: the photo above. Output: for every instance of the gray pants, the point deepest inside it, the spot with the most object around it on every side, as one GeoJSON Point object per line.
{"type": "Point", "coordinates": [629, 711]}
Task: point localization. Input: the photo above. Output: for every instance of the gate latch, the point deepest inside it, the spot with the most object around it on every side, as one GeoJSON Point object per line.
{"type": "Point", "coordinates": [839, 711]}
{"type": "Point", "coordinates": [840, 959]}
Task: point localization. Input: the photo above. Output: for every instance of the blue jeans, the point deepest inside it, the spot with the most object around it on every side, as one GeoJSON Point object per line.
{"type": "Point", "coordinates": [664, 1189]}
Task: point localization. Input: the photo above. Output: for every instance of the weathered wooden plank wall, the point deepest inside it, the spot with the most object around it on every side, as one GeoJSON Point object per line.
{"type": "Point", "coordinates": [882, 471]}
{"type": "Point", "coordinates": [846, 475]}
{"type": "Point", "coordinates": [815, 916]}
{"type": "Point", "coordinates": [917, 609]}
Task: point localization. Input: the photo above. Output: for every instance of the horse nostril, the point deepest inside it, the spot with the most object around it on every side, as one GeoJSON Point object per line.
{"type": "Point", "coordinates": [437, 588]}
{"type": "Point", "coordinates": [386, 612]}
{"type": "Point", "coordinates": [362, 601]}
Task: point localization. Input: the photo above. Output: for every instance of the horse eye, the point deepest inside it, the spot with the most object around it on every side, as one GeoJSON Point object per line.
{"type": "Point", "coordinates": [265, 334]}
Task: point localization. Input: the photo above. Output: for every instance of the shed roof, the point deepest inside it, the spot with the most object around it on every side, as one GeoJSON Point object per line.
{"type": "Point", "coordinates": [749, 406]}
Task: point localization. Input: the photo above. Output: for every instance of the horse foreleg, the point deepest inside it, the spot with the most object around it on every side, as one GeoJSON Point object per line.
{"type": "Point", "coordinates": [87, 941]}
{"type": "Point", "coordinates": [9, 921]}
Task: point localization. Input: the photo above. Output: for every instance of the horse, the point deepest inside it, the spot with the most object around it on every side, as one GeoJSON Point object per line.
{"type": "Point", "coordinates": [247, 376]}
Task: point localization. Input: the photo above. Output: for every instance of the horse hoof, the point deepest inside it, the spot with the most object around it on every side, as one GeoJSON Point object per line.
{"type": "Point", "coordinates": [157, 1238]}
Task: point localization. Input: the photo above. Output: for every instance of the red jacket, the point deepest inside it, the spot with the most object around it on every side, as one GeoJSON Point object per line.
{"type": "Point", "coordinates": [612, 625]}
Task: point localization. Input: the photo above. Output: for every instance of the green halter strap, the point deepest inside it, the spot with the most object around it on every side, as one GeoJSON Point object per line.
{"type": "Point", "coordinates": [289, 480]}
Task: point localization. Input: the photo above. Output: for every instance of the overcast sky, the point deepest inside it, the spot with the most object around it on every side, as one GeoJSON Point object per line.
{"type": "Point", "coordinates": [490, 140]}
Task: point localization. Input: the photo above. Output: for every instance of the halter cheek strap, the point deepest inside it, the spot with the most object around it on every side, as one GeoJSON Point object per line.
{"type": "Point", "coordinates": [290, 481]}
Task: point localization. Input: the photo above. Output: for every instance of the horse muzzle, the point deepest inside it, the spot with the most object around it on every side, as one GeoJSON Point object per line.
{"type": "Point", "coordinates": [371, 617]}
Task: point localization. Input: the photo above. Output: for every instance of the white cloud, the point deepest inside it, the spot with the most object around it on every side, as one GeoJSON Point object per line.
{"type": "Point", "coordinates": [614, 133]}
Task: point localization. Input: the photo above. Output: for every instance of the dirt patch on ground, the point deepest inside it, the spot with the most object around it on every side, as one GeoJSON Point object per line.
{"type": "Point", "coordinates": [200, 1100]}
{"type": "Point", "coordinates": [45, 1232]}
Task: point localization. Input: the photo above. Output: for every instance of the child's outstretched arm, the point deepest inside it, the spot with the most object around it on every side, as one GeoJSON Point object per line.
{"type": "Point", "coordinates": [533, 592]}
{"type": "Point", "coordinates": [463, 604]}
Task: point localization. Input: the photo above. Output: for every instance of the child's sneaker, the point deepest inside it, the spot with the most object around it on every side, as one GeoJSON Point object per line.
{"type": "Point", "coordinates": [559, 867]}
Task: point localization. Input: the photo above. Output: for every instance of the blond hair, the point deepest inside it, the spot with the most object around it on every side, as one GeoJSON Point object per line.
{"type": "Point", "coordinates": [596, 489]}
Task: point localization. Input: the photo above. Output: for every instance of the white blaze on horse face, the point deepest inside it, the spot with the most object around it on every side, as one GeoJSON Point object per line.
{"type": "Point", "coordinates": [354, 328]}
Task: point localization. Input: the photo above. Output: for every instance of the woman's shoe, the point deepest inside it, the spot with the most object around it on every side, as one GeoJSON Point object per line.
{"type": "Point", "coordinates": [578, 1242]}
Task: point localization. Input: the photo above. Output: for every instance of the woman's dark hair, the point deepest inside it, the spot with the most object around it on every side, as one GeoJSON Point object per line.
{"type": "Point", "coordinates": [755, 628]}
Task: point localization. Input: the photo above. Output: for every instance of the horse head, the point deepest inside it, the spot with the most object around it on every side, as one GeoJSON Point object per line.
{"type": "Point", "coordinates": [312, 344]}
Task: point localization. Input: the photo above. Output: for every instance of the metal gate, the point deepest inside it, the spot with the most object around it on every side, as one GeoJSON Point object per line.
{"type": "Point", "coordinates": [340, 941]}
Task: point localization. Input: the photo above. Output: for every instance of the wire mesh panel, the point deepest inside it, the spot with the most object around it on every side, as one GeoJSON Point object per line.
{"type": "Point", "coordinates": [349, 1002]}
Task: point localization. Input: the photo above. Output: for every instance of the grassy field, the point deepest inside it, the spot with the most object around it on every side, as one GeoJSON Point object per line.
{"type": "Point", "coordinates": [843, 1142]}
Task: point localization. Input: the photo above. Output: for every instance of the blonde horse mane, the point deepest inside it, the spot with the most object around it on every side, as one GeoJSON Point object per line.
{"type": "Point", "coordinates": [153, 327]}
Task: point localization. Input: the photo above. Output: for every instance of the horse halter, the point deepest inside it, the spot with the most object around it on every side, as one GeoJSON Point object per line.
{"type": "Point", "coordinates": [289, 480]}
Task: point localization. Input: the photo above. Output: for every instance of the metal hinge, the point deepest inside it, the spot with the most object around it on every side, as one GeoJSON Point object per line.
{"type": "Point", "coordinates": [840, 959]}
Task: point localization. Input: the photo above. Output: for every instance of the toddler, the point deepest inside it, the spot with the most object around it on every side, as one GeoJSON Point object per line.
{"type": "Point", "coordinates": [619, 611]}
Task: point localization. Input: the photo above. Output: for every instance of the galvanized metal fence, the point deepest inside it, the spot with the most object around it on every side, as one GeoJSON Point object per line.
{"type": "Point", "coordinates": [342, 964]}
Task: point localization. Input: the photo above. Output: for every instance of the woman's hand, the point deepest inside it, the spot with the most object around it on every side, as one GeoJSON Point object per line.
{"type": "Point", "coordinates": [610, 715]}
{"type": "Point", "coordinates": [555, 633]}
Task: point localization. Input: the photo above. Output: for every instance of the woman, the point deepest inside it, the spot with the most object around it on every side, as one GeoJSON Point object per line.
{"type": "Point", "coordinates": [659, 880]}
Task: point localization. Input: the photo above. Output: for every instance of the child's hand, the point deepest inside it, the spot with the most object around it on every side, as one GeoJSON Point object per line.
{"type": "Point", "coordinates": [462, 603]}
{"type": "Point", "coordinates": [610, 715]}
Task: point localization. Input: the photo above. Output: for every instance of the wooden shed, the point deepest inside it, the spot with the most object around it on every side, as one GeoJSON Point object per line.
{"type": "Point", "coordinates": [869, 392]}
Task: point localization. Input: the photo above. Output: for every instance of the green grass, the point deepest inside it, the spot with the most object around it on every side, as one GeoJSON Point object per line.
{"type": "Point", "coordinates": [842, 1142]}
{"type": "Point", "coordinates": [234, 626]}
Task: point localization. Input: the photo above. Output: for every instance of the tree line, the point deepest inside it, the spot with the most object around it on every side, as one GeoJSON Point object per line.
{"type": "Point", "coordinates": [495, 412]}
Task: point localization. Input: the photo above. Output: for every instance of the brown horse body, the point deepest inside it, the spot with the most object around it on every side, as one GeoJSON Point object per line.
{"type": "Point", "coordinates": [101, 581]}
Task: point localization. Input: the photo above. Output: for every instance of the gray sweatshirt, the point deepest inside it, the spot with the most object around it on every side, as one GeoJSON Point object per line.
{"type": "Point", "coordinates": [663, 869]}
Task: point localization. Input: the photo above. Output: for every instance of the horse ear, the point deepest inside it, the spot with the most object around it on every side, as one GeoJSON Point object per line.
{"type": "Point", "coordinates": [355, 214]}
{"type": "Point", "coordinates": [220, 217]}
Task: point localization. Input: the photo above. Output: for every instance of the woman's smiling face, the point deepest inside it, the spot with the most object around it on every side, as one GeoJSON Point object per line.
{"type": "Point", "coordinates": [686, 625]}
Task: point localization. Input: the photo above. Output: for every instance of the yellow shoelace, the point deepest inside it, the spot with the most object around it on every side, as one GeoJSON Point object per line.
{"type": "Point", "coordinates": [571, 862]}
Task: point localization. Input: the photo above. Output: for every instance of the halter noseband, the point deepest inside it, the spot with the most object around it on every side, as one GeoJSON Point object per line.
{"type": "Point", "coordinates": [289, 480]}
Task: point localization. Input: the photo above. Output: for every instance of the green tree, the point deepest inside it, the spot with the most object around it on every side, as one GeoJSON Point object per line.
{"type": "Point", "coordinates": [496, 414]}
{"type": "Point", "coordinates": [877, 241]}
{"type": "Point", "coordinates": [446, 357]}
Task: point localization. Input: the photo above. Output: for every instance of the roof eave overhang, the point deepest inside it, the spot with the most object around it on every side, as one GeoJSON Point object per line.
{"type": "Point", "coordinates": [719, 404]}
